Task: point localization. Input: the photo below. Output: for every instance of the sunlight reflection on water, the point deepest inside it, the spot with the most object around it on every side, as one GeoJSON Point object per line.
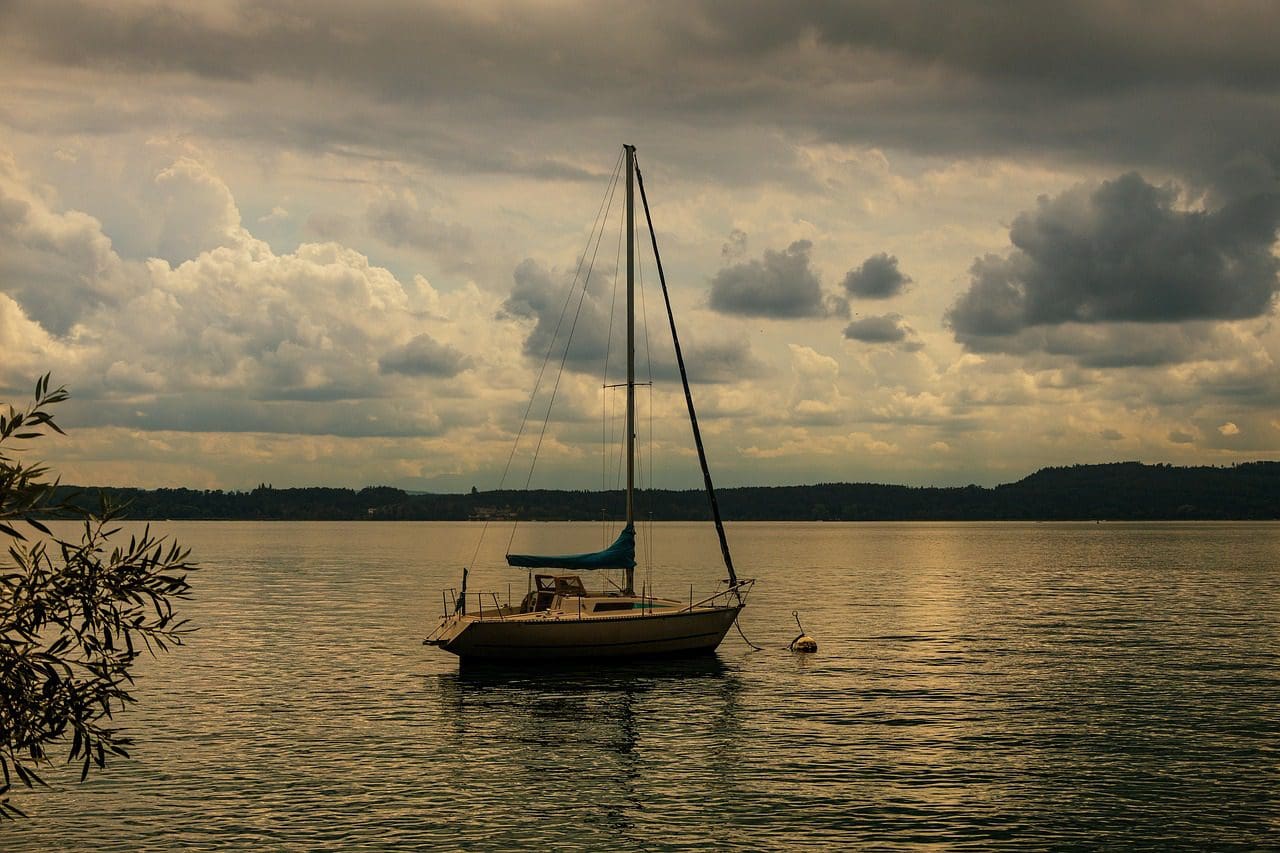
{"type": "Point", "coordinates": [990, 685]}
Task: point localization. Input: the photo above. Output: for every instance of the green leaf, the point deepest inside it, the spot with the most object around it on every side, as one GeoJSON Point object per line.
{"type": "Point", "coordinates": [10, 807]}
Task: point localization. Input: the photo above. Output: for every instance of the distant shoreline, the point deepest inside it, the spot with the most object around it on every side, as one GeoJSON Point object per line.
{"type": "Point", "coordinates": [1122, 491]}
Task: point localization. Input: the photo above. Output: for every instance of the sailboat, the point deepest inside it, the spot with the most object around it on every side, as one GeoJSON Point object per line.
{"type": "Point", "coordinates": [559, 618]}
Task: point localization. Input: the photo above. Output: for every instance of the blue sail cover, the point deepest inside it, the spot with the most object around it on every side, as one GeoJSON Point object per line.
{"type": "Point", "coordinates": [620, 555]}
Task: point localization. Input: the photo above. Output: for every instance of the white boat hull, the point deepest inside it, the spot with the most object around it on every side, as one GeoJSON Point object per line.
{"type": "Point", "coordinates": [547, 637]}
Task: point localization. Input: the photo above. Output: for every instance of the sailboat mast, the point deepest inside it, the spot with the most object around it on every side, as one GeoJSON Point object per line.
{"type": "Point", "coordinates": [631, 350]}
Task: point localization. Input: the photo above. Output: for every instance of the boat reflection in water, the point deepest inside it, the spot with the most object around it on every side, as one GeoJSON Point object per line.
{"type": "Point", "coordinates": [591, 746]}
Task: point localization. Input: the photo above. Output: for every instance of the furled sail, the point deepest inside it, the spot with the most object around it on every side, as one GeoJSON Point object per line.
{"type": "Point", "coordinates": [620, 555]}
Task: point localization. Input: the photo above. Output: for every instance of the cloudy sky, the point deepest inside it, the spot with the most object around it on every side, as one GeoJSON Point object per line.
{"type": "Point", "coordinates": [327, 243]}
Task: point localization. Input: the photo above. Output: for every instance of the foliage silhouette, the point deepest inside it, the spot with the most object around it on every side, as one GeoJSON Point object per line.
{"type": "Point", "coordinates": [74, 615]}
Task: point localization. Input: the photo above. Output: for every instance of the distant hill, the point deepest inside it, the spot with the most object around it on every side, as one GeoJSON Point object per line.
{"type": "Point", "coordinates": [1118, 491]}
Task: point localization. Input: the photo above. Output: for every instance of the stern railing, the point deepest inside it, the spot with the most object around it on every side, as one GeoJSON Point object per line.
{"type": "Point", "coordinates": [485, 602]}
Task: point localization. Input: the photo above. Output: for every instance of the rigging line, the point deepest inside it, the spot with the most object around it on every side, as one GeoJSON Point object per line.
{"type": "Point", "coordinates": [603, 209]}
{"type": "Point", "coordinates": [604, 436]}
{"type": "Point", "coordinates": [611, 415]}
{"type": "Point", "coordinates": [688, 395]}
{"type": "Point", "coordinates": [646, 498]}
{"type": "Point", "coordinates": [564, 358]}
{"type": "Point", "coordinates": [621, 456]}
{"type": "Point", "coordinates": [622, 452]}
{"type": "Point", "coordinates": [608, 195]}
{"type": "Point", "coordinates": [649, 492]}
{"type": "Point", "coordinates": [645, 536]}
{"type": "Point", "coordinates": [652, 493]}
{"type": "Point", "coordinates": [613, 434]}
{"type": "Point", "coordinates": [613, 306]}
{"type": "Point", "coordinates": [644, 320]}
{"type": "Point", "coordinates": [648, 360]}
{"type": "Point", "coordinates": [608, 351]}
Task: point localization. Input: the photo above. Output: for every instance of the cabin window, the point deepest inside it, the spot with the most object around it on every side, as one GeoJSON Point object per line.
{"type": "Point", "coordinates": [603, 606]}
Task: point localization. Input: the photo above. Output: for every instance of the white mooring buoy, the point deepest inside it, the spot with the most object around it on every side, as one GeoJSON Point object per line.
{"type": "Point", "coordinates": [803, 643]}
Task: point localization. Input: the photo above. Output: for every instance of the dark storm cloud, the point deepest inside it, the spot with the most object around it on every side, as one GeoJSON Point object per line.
{"type": "Point", "coordinates": [560, 309]}
{"type": "Point", "coordinates": [885, 329]}
{"type": "Point", "coordinates": [1028, 39]}
{"type": "Point", "coordinates": [398, 45]}
{"type": "Point", "coordinates": [1190, 89]}
{"type": "Point", "coordinates": [1116, 345]}
{"type": "Point", "coordinates": [780, 285]}
{"type": "Point", "coordinates": [423, 356]}
{"type": "Point", "coordinates": [877, 278]}
{"type": "Point", "coordinates": [1122, 252]}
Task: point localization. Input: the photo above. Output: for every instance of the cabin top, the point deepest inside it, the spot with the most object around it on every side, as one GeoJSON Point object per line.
{"type": "Point", "coordinates": [560, 584]}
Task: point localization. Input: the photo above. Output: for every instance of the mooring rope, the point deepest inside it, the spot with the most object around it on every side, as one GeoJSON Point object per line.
{"type": "Point", "coordinates": [744, 637]}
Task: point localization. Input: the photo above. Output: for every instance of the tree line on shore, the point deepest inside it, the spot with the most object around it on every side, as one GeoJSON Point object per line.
{"type": "Point", "coordinates": [1114, 491]}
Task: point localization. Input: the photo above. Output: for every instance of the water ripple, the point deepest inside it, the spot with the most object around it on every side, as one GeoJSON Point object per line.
{"type": "Point", "coordinates": [978, 687]}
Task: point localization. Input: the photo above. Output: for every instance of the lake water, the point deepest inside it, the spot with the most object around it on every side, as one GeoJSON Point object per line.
{"type": "Point", "coordinates": [1014, 686]}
